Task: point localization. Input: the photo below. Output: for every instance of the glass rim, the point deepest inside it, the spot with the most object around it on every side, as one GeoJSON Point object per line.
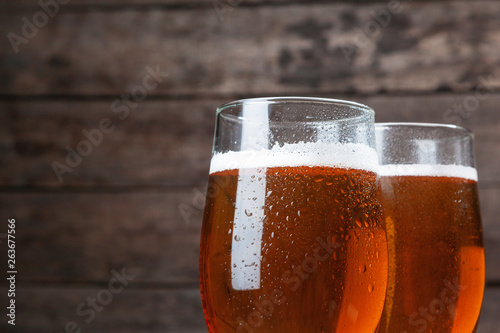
{"type": "Point", "coordinates": [463, 130]}
{"type": "Point", "coordinates": [367, 111]}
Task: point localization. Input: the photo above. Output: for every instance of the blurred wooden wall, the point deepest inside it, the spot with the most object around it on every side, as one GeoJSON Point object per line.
{"type": "Point", "coordinates": [118, 207]}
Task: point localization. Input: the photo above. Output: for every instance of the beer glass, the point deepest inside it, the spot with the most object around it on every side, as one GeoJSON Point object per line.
{"type": "Point", "coordinates": [436, 254]}
{"type": "Point", "coordinates": [293, 238]}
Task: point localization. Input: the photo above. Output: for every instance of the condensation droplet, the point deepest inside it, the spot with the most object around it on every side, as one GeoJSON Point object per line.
{"type": "Point", "coordinates": [237, 238]}
{"type": "Point", "coordinates": [248, 213]}
{"type": "Point", "coordinates": [362, 268]}
{"type": "Point", "coordinates": [358, 223]}
{"type": "Point", "coordinates": [370, 288]}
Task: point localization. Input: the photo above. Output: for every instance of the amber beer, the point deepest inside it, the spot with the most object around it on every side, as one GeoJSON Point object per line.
{"type": "Point", "coordinates": [298, 248]}
{"type": "Point", "coordinates": [436, 255]}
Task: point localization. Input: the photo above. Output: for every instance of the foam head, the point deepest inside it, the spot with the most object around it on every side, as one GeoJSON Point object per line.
{"type": "Point", "coordinates": [313, 154]}
{"type": "Point", "coordinates": [432, 170]}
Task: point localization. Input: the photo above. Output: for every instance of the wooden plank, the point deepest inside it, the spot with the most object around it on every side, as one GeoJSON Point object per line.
{"type": "Point", "coordinates": [180, 3]}
{"type": "Point", "coordinates": [169, 142]}
{"type": "Point", "coordinates": [25, 4]}
{"type": "Point", "coordinates": [159, 143]}
{"type": "Point", "coordinates": [81, 237]}
{"type": "Point", "coordinates": [146, 311]}
{"type": "Point", "coordinates": [272, 50]}
{"type": "Point", "coordinates": [131, 311]}
{"type": "Point", "coordinates": [77, 237]}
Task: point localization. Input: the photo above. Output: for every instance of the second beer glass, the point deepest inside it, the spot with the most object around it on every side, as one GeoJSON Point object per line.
{"type": "Point", "coordinates": [293, 238]}
{"type": "Point", "coordinates": [436, 255]}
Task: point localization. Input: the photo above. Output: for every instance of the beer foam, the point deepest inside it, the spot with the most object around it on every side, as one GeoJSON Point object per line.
{"type": "Point", "coordinates": [313, 154]}
{"type": "Point", "coordinates": [450, 170]}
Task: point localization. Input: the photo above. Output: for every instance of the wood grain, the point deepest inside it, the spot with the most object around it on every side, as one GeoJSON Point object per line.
{"type": "Point", "coordinates": [78, 237]}
{"type": "Point", "coordinates": [488, 322]}
{"type": "Point", "coordinates": [168, 143]}
{"type": "Point", "coordinates": [146, 311]}
{"type": "Point", "coordinates": [159, 143]}
{"type": "Point", "coordinates": [179, 3]}
{"type": "Point", "coordinates": [131, 311]}
{"type": "Point", "coordinates": [295, 49]}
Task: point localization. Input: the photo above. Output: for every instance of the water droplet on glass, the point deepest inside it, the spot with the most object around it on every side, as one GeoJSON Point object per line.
{"type": "Point", "coordinates": [237, 238]}
{"type": "Point", "coordinates": [358, 223]}
{"type": "Point", "coordinates": [370, 288]}
{"type": "Point", "coordinates": [248, 213]}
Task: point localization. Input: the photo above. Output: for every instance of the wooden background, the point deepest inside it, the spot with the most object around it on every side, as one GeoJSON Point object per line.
{"type": "Point", "coordinates": [119, 208]}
